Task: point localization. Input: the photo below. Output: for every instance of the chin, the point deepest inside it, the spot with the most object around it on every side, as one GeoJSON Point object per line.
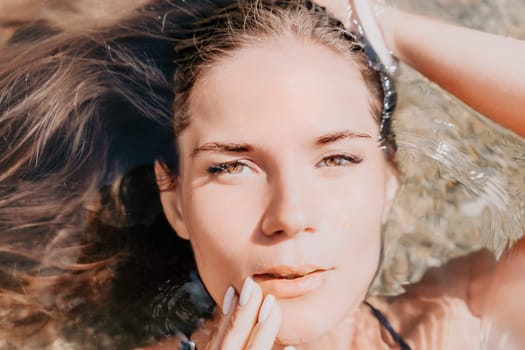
{"type": "Point", "coordinates": [304, 322]}
{"type": "Point", "coordinates": [297, 335]}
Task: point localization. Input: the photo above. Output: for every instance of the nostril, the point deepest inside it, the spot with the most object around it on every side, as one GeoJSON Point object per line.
{"type": "Point", "coordinates": [288, 215]}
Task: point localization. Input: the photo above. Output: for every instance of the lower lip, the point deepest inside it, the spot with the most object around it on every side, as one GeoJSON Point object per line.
{"type": "Point", "coordinates": [292, 288]}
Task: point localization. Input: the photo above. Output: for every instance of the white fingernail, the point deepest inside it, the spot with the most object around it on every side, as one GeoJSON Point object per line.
{"type": "Point", "coordinates": [266, 308]}
{"type": "Point", "coordinates": [289, 347]}
{"type": "Point", "coordinates": [246, 291]}
{"type": "Point", "coordinates": [227, 301]}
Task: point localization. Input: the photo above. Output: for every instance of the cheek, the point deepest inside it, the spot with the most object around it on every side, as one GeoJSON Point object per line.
{"type": "Point", "coordinates": [221, 224]}
{"type": "Point", "coordinates": [357, 206]}
{"type": "Point", "coordinates": [356, 218]}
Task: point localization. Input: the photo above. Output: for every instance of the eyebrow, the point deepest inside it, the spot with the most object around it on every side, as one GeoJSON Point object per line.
{"type": "Point", "coordinates": [340, 135]}
{"type": "Point", "coordinates": [247, 148]}
{"type": "Point", "coordinates": [222, 147]}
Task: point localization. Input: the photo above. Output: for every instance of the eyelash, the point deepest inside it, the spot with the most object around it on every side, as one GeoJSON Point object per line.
{"type": "Point", "coordinates": [342, 156]}
{"type": "Point", "coordinates": [223, 167]}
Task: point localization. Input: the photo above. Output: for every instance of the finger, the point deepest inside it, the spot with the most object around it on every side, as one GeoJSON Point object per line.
{"type": "Point", "coordinates": [229, 304]}
{"type": "Point", "coordinates": [268, 324]}
{"type": "Point", "coordinates": [244, 317]}
{"type": "Point", "coordinates": [337, 8]}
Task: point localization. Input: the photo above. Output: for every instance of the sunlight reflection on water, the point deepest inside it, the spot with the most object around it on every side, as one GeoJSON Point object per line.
{"type": "Point", "coordinates": [466, 165]}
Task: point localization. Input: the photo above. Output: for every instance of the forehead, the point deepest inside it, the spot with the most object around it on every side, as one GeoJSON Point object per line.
{"type": "Point", "coordinates": [279, 86]}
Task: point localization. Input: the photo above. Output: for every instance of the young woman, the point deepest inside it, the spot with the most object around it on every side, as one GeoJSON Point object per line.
{"type": "Point", "coordinates": [292, 262]}
{"type": "Point", "coordinates": [284, 173]}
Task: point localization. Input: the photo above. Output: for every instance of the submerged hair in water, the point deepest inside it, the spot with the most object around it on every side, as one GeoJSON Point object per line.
{"type": "Point", "coordinates": [77, 111]}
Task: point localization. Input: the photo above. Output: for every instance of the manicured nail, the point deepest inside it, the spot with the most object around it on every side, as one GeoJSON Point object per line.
{"type": "Point", "coordinates": [266, 308]}
{"type": "Point", "coordinates": [246, 291]}
{"type": "Point", "coordinates": [227, 301]}
{"type": "Point", "coordinates": [289, 347]}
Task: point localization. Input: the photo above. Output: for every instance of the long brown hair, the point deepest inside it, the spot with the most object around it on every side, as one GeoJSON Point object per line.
{"type": "Point", "coordinates": [78, 110]}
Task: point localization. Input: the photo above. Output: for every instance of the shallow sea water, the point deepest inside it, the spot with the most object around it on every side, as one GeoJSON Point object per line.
{"type": "Point", "coordinates": [467, 190]}
{"type": "Point", "coordinates": [463, 184]}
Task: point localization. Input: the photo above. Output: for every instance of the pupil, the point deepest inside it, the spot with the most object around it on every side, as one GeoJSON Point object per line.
{"type": "Point", "coordinates": [234, 168]}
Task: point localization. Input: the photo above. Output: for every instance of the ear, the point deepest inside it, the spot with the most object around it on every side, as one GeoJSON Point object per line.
{"type": "Point", "coordinates": [170, 198]}
{"type": "Point", "coordinates": [391, 188]}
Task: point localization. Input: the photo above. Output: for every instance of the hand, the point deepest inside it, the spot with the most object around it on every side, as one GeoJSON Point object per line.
{"type": "Point", "coordinates": [336, 8]}
{"type": "Point", "coordinates": [248, 320]}
{"type": "Point", "coordinates": [362, 17]}
{"type": "Point", "coordinates": [343, 10]}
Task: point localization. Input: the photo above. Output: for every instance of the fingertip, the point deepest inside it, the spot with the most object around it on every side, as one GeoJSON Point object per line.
{"type": "Point", "coordinates": [246, 291]}
{"type": "Point", "coordinates": [267, 326]}
{"type": "Point", "coordinates": [277, 311]}
{"type": "Point", "coordinates": [227, 302]}
{"type": "Point", "coordinates": [257, 293]}
{"type": "Point", "coordinates": [266, 309]}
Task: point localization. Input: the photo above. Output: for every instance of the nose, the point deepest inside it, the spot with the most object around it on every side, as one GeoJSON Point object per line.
{"type": "Point", "coordinates": [289, 210]}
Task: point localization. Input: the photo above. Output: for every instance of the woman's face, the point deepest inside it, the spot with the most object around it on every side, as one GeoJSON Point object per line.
{"type": "Point", "coordinates": [282, 180]}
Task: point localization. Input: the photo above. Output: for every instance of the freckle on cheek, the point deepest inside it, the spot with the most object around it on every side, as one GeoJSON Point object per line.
{"type": "Point", "coordinates": [345, 224]}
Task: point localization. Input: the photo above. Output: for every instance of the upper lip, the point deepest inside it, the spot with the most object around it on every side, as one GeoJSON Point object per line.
{"type": "Point", "coordinates": [291, 270]}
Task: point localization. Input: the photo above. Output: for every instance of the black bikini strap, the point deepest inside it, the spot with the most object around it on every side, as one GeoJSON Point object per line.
{"type": "Point", "coordinates": [382, 319]}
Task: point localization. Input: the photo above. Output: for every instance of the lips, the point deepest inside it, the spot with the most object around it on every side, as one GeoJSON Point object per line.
{"type": "Point", "coordinates": [285, 276]}
{"type": "Point", "coordinates": [291, 270]}
{"type": "Point", "coordinates": [292, 281]}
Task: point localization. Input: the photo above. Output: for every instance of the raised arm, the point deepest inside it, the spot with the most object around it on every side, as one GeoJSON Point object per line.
{"type": "Point", "coordinates": [485, 71]}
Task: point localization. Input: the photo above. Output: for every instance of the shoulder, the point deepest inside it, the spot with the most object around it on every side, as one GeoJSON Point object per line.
{"type": "Point", "coordinates": [443, 310]}
{"type": "Point", "coordinates": [464, 279]}
{"type": "Point", "coordinates": [503, 303]}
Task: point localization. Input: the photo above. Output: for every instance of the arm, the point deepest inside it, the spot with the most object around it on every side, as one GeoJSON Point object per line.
{"type": "Point", "coordinates": [485, 71]}
{"type": "Point", "coordinates": [504, 306]}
